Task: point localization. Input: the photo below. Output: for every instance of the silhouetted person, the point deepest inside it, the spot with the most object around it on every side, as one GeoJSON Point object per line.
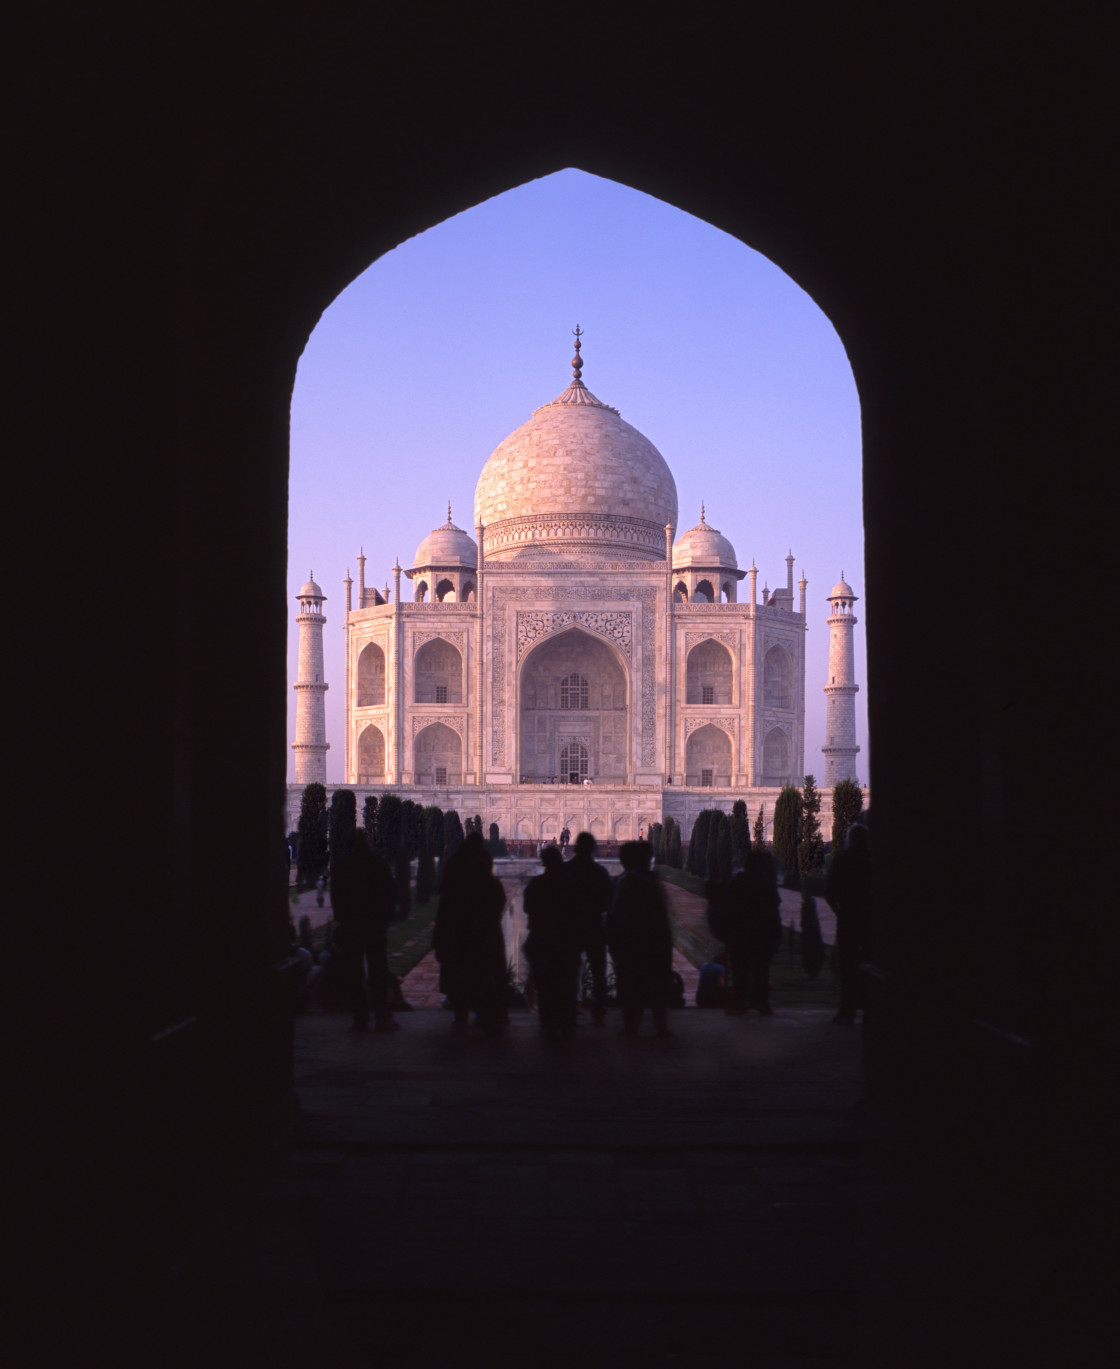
{"type": "Point", "coordinates": [553, 945]}
{"type": "Point", "coordinates": [591, 894]}
{"type": "Point", "coordinates": [848, 891]}
{"type": "Point", "coordinates": [363, 897]}
{"type": "Point", "coordinates": [752, 924]}
{"type": "Point", "coordinates": [467, 937]}
{"type": "Point", "coordinates": [640, 941]}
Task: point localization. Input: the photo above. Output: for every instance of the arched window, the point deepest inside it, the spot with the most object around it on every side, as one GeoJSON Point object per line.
{"type": "Point", "coordinates": [421, 592]}
{"type": "Point", "coordinates": [705, 591]}
{"type": "Point", "coordinates": [680, 592]}
{"type": "Point", "coordinates": [573, 691]}
{"type": "Point", "coordinates": [573, 762]}
{"type": "Point", "coordinates": [726, 596]}
{"type": "Point", "coordinates": [468, 591]}
{"type": "Point", "coordinates": [445, 592]}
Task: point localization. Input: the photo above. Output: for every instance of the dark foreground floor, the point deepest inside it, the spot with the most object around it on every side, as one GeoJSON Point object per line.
{"type": "Point", "coordinates": [710, 1199]}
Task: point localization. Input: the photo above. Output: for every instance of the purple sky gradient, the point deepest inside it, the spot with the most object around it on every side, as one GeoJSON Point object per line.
{"type": "Point", "coordinates": [444, 346]}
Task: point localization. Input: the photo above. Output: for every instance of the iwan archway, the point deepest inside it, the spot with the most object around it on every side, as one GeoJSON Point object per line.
{"type": "Point", "coordinates": [573, 715]}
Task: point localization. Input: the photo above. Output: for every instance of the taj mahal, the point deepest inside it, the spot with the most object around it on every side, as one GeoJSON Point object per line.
{"type": "Point", "coordinates": [574, 663]}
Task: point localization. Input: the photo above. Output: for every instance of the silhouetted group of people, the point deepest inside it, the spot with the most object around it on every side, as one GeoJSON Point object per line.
{"type": "Point", "coordinates": [575, 912]}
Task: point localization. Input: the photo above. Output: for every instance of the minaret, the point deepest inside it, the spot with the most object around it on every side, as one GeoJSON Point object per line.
{"type": "Point", "coordinates": [840, 753]}
{"type": "Point", "coordinates": [311, 745]}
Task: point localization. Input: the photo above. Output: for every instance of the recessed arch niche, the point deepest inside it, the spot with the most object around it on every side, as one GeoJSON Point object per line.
{"type": "Point", "coordinates": [437, 673]}
{"type": "Point", "coordinates": [709, 674]}
{"type": "Point", "coordinates": [371, 755]}
{"type": "Point", "coordinates": [708, 758]}
{"type": "Point", "coordinates": [549, 723]}
{"type": "Point", "coordinates": [437, 756]}
{"type": "Point", "coordinates": [777, 678]}
{"type": "Point", "coordinates": [776, 752]}
{"type": "Point", "coordinates": [371, 676]}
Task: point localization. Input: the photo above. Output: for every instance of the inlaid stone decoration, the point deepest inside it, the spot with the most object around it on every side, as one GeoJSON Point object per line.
{"type": "Point", "coordinates": [531, 627]}
{"type": "Point", "coordinates": [569, 635]}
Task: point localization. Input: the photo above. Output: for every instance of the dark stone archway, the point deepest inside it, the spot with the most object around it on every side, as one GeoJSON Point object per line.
{"type": "Point", "coordinates": [194, 197]}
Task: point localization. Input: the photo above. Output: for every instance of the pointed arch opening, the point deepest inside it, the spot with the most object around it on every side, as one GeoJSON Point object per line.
{"type": "Point", "coordinates": [371, 755]}
{"type": "Point", "coordinates": [371, 676]}
{"type": "Point", "coordinates": [438, 673]}
{"type": "Point", "coordinates": [573, 693]}
{"type": "Point", "coordinates": [437, 756]}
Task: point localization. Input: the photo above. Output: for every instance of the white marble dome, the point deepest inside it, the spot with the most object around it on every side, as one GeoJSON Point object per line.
{"type": "Point", "coordinates": [704, 548]}
{"type": "Point", "coordinates": [446, 547]}
{"type": "Point", "coordinates": [576, 480]}
{"type": "Point", "coordinates": [842, 590]}
{"type": "Point", "coordinates": [311, 590]}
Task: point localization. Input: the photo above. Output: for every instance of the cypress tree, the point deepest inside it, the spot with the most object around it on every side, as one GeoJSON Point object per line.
{"type": "Point", "coordinates": [433, 830]}
{"type": "Point", "coordinates": [724, 850]}
{"type": "Point", "coordinates": [655, 830]}
{"type": "Point", "coordinates": [343, 821]}
{"type": "Point", "coordinates": [740, 834]}
{"type": "Point", "coordinates": [810, 846]}
{"type": "Point", "coordinates": [389, 826]}
{"type": "Point", "coordinates": [698, 844]}
{"type": "Point", "coordinates": [403, 880]}
{"type": "Point", "coordinates": [312, 860]}
{"type": "Point", "coordinates": [452, 833]}
{"type": "Point", "coordinates": [787, 826]}
{"type": "Point", "coordinates": [847, 805]}
{"type": "Point", "coordinates": [675, 845]}
{"type": "Point", "coordinates": [407, 808]}
{"type": "Point", "coordinates": [711, 860]}
{"type": "Point", "coordinates": [760, 827]}
{"type": "Point", "coordinates": [369, 819]}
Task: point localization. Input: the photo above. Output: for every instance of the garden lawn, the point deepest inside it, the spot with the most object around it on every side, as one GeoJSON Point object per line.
{"type": "Point", "coordinates": [411, 940]}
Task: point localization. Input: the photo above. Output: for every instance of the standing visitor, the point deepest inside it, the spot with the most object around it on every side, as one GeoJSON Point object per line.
{"type": "Point", "coordinates": [363, 897]}
{"type": "Point", "coordinates": [848, 892]}
{"type": "Point", "coordinates": [467, 937]}
{"type": "Point", "coordinates": [552, 946]}
{"type": "Point", "coordinates": [640, 941]}
{"type": "Point", "coordinates": [752, 925]}
{"type": "Point", "coordinates": [591, 889]}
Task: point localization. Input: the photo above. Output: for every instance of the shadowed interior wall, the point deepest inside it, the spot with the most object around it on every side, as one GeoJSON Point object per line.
{"type": "Point", "coordinates": [192, 199]}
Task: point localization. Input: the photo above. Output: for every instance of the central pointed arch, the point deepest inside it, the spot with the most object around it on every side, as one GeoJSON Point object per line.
{"type": "Point", "coordinates": [573, 691]}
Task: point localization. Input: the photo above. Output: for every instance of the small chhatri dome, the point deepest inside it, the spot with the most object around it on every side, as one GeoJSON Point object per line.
{"type": "Point", "coordinates": [842, 590]}
{"type": "Point", "coordinates": [704, 547]}
{"type": "Point", "coordinates": [576, 480]}
{"type": "Point", "coordinates": [311, 590]}
{"type": "Point", "coordinates": [446, 548]}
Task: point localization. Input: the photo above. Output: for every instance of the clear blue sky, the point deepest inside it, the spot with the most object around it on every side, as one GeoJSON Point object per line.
{"type": "Point", "coordinates": [445, 345]}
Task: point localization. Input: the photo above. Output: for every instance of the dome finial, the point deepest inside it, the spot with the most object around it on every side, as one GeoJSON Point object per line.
{"type": "Point", "coordinates": [577, 364]}
{"type": "Point", "coordinates": [449, 513]}
{"type": "Point", "coordinates": [702, 514]}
